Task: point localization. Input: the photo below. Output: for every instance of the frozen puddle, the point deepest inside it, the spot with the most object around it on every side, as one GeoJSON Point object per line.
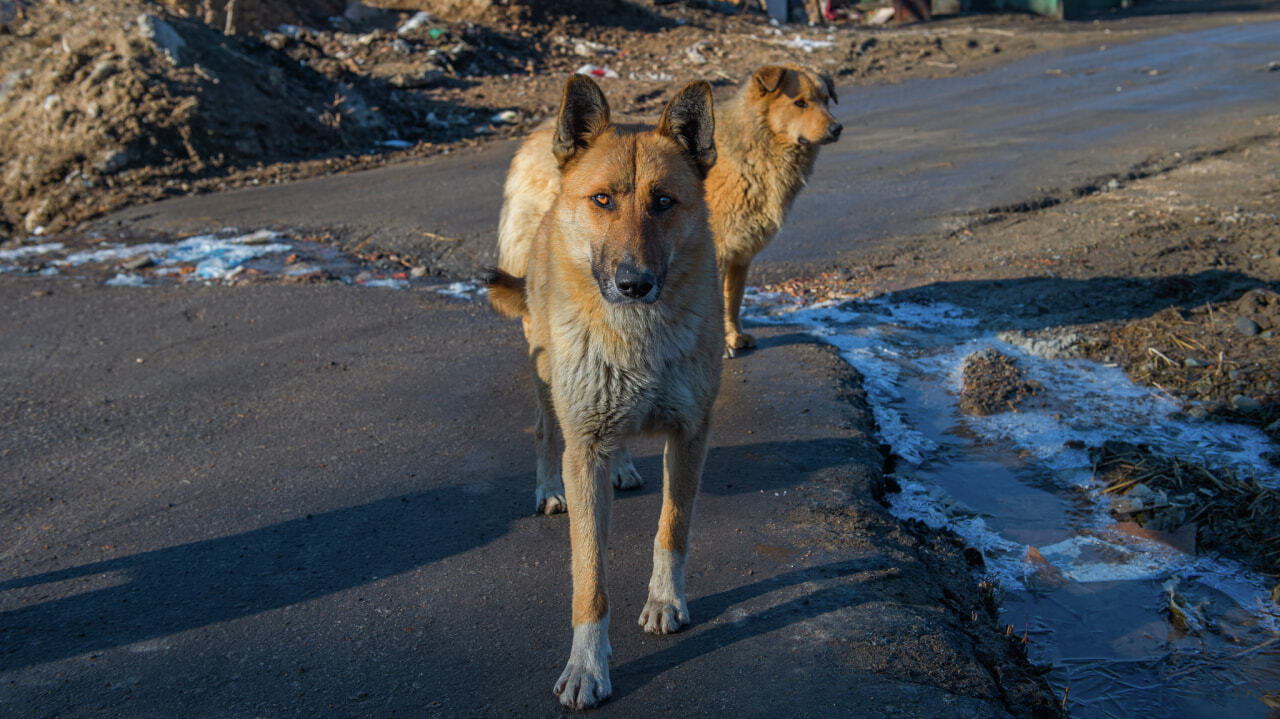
{"type": "Point", "coordinates": [227, 256]}
{"type": "Point", "coordinates": [1091, 594]}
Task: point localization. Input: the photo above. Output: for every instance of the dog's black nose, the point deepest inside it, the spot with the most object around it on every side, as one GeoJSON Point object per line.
{"type": "Point", "coordinates": [632, 281]}
{"type": "Point", "coordinates": [835, 129]}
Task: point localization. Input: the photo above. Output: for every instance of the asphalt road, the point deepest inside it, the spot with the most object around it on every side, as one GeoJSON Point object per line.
{"type": "Point", "coordinates": [303, 501]}
{"type": "Point", "coordinates": [916, 157]}
{"type": "Point", "coordinates": [318, 501]}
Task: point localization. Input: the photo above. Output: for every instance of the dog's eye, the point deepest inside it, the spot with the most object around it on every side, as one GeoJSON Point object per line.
{"type": "Point", "coordinates": [663, 202]}
{"type": "Point", "coordinates": [602, 199]}
{"type": "Point", "coordinates": [801, 103]}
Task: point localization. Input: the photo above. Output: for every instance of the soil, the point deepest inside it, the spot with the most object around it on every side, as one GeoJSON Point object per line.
{"type": "Point", "coordinates": [993, 383]}
{"type": "Point", "coordinates": [102, 107]}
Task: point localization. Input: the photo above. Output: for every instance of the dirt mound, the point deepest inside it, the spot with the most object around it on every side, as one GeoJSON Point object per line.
{"type": "Point", "coordinates": [1224, 355]}
{"type": "Point", "coordinates": [993, 383]}
{"type": "Point", "coordinates": [1226, 512]}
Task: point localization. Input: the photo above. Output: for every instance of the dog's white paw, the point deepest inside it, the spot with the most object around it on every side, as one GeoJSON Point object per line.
{"type": "Point", "coordinates": [664, 616]}
{"type": "Point", "coordinates": [550, 498]}
{"type": "Point", "coordinates": [582, 687]}
{"type": "Point", "coordinates": [625, 475]}
{"type": "Point", "coordinates": [584, 683]}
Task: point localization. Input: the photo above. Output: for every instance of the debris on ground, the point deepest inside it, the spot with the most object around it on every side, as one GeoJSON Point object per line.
{"type": "Point", "coordinates": [1230, 513]}
{"type": "Point", "coordinates": [994, 383]}
{"type": "Point", "coordinates": [117, 102]}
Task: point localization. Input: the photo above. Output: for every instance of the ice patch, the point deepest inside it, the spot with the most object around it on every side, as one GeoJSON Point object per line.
{"type": "Point", "coordinates": [803, 43]}
{"type": "Point", "coordinates": [385, 282]}
{"type": "Point", "coordinates": [126, 280]}
{"type": "Point", "coordinates": [29, 251]}
{"type": "Point", "coordinates": [464, 290]}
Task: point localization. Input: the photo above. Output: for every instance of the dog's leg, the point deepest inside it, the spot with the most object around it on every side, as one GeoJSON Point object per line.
{"type": "Point", "coordinates": [622, 473]}
{"type": "Point", "coordinates": [666, 610]}
{"type": "Point", "coordinates": [584, 682]}
{"type": "Point", "coordinates": [549, 494]}
{"type": "Point", "coordinates": [735, 282]}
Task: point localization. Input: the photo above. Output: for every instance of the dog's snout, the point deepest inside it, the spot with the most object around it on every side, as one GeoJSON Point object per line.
{"type": "Point", "coordinates": [834, 129]}
{"type": "Point", "coordinates": [632, 281]}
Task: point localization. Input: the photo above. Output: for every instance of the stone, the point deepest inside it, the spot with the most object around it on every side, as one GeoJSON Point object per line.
{"type": "Point", "coordinates": [162, 35]}
{"type": "Point", "coordinates": [1246, 326]}
{"type": "Point", "coordinates": [1245, 404]}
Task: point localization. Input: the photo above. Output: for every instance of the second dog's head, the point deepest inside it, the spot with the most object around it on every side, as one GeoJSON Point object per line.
{"type": "Point", "coordinates": [631, 199]}
{"type": "Point", "coordinates": [793, 102]}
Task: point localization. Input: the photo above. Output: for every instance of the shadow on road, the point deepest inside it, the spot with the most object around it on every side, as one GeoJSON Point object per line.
{"type": "Point", "coordinates": [1034, 303]}
{"type": "Point", "coordinates": [170, 590]}
{"type": "Point", "coordinates": [197, 584]}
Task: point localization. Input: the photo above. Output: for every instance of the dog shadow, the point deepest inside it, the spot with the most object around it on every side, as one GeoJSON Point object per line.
{"type": "Point", "coordinates": [838, 592]}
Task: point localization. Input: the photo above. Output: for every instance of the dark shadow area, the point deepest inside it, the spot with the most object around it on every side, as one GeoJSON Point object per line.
{"type": "Point", "coordinates": [633, 675]}
{"type": "Point", "coordinates": [192, 585]}
{"type": "Point", "coordinates": [201, 583]}
{"type": "Point", "coordinates": [1145, 8]}
{"type": "Point", "coordinates": [1035, 303]}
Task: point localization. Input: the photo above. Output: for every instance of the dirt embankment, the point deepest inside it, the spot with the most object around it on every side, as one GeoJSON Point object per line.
{"type": "Point", "coordinates": [121, 101]}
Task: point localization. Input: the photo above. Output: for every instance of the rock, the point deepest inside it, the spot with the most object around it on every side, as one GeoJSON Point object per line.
{"type": "Point", "coordinates": [694, 53]}
{"type": "Point", "coordinates": [430, 77]}
{"type": "Point", "coordinates": [102, 71]}
{"type": "Point", "coordinates": [36, 218]}
{"type": "Point", "coordinates": [112, 161]}
{"type": "Point", "coordinates": [1274, 66]}
{"type": "Point", "coordinates": [138, 263]}
{"type": "Point", "coordinates": [1193, 363]}
{"type": "Point", "coordinates": [421, 271]}
{"type": "Point", "coordinates": [1246, 326]}
{"type": "Point", "coordinates": [52, 101]}
{"type": "Point", "coordinates": [162, 35]}
{"type": "Point", "coordinates": [1245, 404]}
{"type": "Point", "coordinates": [881, 16]}
{"type": "Point", "coordinates": [8, 13]}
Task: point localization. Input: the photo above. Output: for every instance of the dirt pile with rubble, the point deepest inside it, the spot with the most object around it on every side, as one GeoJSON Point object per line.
{"type": "Point", "coordinates": [122, 101]}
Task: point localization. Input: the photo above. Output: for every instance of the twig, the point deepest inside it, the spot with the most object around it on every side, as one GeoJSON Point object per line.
{"type": "Point", "coordinates": [1158, 353]}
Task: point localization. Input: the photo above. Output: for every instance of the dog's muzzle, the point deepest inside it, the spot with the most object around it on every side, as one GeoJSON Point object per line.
{"type": "Point", "coordinates": [630, 283]}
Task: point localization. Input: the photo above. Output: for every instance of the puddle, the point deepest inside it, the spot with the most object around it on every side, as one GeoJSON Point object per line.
{"type": "Point", "coordinates": [1091, 594]}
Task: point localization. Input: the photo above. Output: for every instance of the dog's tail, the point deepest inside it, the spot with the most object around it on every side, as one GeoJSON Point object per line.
{"type": "Point", "coordinates": [506, 293]}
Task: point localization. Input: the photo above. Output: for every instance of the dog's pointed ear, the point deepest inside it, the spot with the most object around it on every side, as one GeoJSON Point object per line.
{"type": "Point", "coordinates": [584, 113]}
{"type": "Point", "coordinates": [690, 120]}
{"type": "Point", "coordinates": [768, 78]}
{"type": "Point", "coordinates": [831, 88]}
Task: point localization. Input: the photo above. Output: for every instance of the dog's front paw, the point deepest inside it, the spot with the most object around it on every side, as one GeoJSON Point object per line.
{"type": "Point", "coordinates": [550, 499]}
{"type": "Point", "coordinates": [664, 616]}
{"type": "Point", "coordinates": [737, 341]}
{"type": "Point", "coordinates": [625, 476]}
{"type": "Point", "coordinates": [583, 687]}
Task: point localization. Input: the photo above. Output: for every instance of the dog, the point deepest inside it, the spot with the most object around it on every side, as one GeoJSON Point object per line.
{"type": "Point", "coordinates": [619, 299]}
{"type": "Point", "coordinates": [767, 139]}
{"type": "Point", "coordinates": [767, 136]}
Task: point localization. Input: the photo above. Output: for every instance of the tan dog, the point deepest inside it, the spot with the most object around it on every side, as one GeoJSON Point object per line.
{"type": "Point", "coordinates": [620, 306]}
{"type": "Point", "coordinates": [767, 137]}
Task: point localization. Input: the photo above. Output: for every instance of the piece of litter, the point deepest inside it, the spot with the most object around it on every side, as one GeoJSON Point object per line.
{"type": "Point", "coordinates": [418, 20]}
{"type": "Point", "coordinates": [397, 144]}
{"type": "Point", "coordinates": [595, 71]}
{"type": "Point", "coordinates": [506, 117]}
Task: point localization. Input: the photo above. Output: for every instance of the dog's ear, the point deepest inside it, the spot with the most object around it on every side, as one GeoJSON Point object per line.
{"type": "Point", "coordinates": [584, 113]}
{"type": "Point", "coordinates": [831, 88]}
{"type": "Point", "coordinates": [690, 121]}
{"type": "Point", "coordinates": [768, 78]}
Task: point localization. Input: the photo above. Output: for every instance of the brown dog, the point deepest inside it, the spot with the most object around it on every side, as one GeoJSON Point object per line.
{"type": "Point", "coordinates": [767, 137]}
{"type": "Point", "coordinates": [620, 306]}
